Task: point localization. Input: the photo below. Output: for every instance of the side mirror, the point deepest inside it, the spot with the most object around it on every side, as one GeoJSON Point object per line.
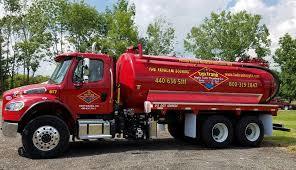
{"type": "Point", "coordinates": [85, 69]}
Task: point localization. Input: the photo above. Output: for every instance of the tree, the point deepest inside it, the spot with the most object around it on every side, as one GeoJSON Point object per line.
{"type": "Point", "coordinates": [54, 12]}
{"type": "Point", "coordinates": [121, 31]}
{"type": "Point", "coordinates": [8, 34]}
{"type": "Point", "coordinates": [160, 39]}
{"type": "Point", "coordinates": [83, 24]}
{"type": "Point", "coordinates": [285, 56]}
{"type": "Point", "coordinates": [1, 62]}
{"type": "Point", "coordinates": [228, 36]}
{"type": "Point", "coordinates": [32, 31]}
{"type": "Point", "coordinates": [11, 5]}
{"type": "Point", "coordinates": [34, 38]}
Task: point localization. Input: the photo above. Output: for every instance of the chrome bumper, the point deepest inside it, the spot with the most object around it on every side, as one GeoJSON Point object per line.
{"type": "Point", "coordinates": [9, 129]}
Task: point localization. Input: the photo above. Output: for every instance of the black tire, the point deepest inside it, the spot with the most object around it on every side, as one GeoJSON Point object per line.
{"type": "Point", "coordinates": [27, 137]}
{"type": "Point", "coordinates": [176, 124]}
{"type": "Point", "coordinates": [176, 130]}
{"type": "Point", "coordinates": [208, 133]}
{"type": "Point", "coordinates": [241, 132]}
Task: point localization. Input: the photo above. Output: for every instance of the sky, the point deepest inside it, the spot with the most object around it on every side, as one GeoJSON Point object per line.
{"type": "Point", "coordinates": [101, 4]}
{"type": "Point", "coordinates": [278, 15]}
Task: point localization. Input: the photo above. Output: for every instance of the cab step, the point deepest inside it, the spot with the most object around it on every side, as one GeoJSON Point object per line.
{"type": "Point", "coordinates": [94, 129]}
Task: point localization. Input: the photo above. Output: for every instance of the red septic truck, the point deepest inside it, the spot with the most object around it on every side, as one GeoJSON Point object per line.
{"type": "Point", "coordinates": [89, 96]}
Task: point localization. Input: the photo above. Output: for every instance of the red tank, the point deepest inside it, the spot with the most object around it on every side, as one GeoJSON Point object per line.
{"type": "Point", "coordinates": [170, 79]}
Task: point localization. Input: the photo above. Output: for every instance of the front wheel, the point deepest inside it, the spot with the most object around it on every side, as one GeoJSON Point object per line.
{"type": "Point", "coordinates": [45, 137]}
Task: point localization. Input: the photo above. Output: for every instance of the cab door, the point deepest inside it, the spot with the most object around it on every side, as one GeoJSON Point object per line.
{"type": "Point", "coordinates": [89, 89]}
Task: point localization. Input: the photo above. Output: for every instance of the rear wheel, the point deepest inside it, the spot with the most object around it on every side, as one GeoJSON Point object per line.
{"type": "Point", "coordinates": [249, 131]}
{"type": "Point", "coordinates": [176, 130]}
{"type": "Point", "coordinates": [217, 132]}
{"type": "Point", "coordinates": [176, 125]}
{"type": "Point", "coordinates": [45, 137]}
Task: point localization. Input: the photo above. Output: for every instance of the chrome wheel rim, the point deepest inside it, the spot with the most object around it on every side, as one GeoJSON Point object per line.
{"type": "Point", "coordinates": [220, 132]}
{"type": "Point", "coordinates": [46, 138]}
{"type": "Point", "coordinates": [252, 132]}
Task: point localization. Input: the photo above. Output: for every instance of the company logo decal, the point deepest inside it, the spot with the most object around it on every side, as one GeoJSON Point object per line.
{"type": "Point", "coordinates": [88, 96]}
{"type": "Point", "coordinates": [208, 78]}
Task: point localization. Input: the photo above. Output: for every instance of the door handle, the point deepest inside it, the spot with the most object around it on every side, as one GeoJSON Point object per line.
{"type": "Point", "coordinates": [103, 97]}
{"type": "Point", "coordinates": [78, 85]}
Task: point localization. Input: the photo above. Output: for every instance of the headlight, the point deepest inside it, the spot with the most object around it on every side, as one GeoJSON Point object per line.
{"type": "Point", "coordinates": [14, 106]}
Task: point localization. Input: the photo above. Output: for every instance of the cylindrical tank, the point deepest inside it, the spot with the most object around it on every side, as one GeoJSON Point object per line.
{"type": "Point", "coordinates": [190, 80]}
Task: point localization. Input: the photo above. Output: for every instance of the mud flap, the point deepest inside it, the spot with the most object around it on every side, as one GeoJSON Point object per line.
{"type": "Point", "coordinates": [267, 123]}
{"type": "Point", "coordinates": [190, 125]}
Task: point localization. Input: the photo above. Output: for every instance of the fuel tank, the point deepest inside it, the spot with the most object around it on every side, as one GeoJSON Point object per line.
{"type": "Point", "coordinates": [170, 79]}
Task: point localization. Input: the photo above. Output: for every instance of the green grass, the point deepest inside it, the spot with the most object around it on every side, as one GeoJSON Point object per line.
{"type": "Point", "coordinates": [285, 139]}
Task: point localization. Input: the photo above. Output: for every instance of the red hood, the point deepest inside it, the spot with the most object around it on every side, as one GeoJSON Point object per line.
{"type": "Point", "coordinates": [33, 86]}
{"type": "Point", "coordinates": [29, 95]}
{"type": "Point", "coordinates": [45, 89]}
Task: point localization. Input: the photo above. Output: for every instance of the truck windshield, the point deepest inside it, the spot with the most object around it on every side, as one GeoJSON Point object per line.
{"type": "Point", "coordinates": [60, 71]}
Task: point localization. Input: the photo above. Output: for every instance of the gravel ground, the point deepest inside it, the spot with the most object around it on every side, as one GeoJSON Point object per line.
{"type": "Point", "coordinates": [163, 153]}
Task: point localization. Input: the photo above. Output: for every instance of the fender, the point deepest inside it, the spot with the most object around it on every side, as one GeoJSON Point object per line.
{"type": "Point", "coordinates": [29, 100]}
{"type": "Point", "coordinates": [49, 106]}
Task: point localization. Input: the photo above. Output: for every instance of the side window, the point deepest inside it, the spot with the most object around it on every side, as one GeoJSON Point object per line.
{"type": "Point", "coordinates": [89, 70]}
{"type": "Point", "coordinates": [96, 70]}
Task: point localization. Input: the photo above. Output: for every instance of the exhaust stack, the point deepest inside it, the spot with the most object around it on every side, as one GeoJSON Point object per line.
{"type": "Point", "coordinates": [93, 47]}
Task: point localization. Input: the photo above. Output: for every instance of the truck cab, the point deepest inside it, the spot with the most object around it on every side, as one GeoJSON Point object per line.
{"type": "Point", "coordinates": [81, 82]}
{"type": "Point", "coordinates": [81, 86]}
{"type": "Point", "coordinates": [86, 84]}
